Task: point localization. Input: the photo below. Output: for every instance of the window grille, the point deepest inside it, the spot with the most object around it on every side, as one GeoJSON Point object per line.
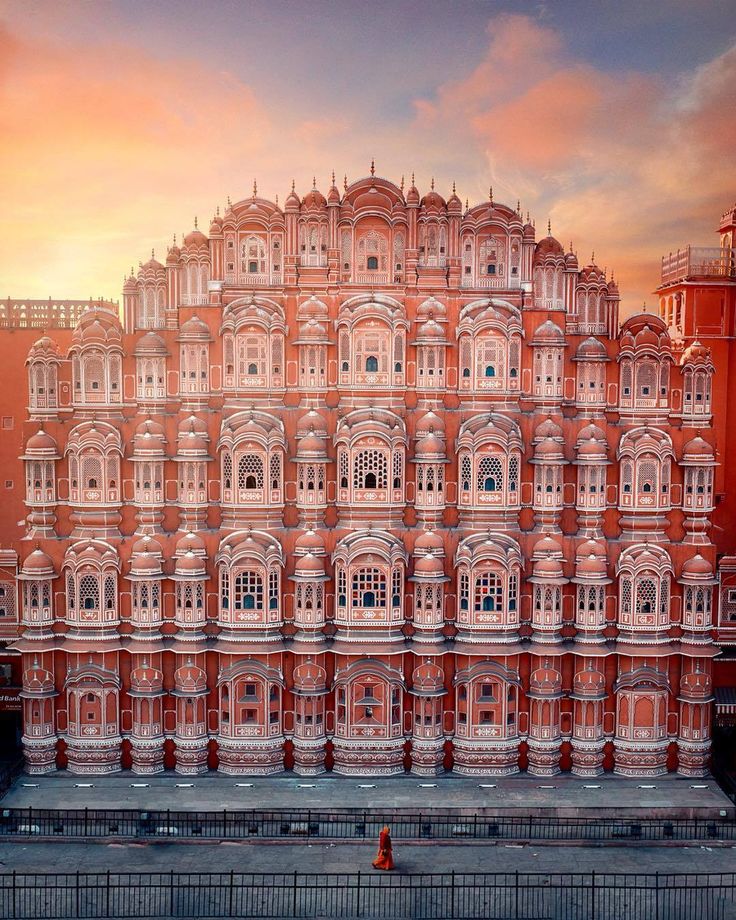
{"type": "Point", "coordinates": [248, 591]}
{"type": "Point", "coordinates": [369, 588]}
{"type": "Point", "coordinates": [370, 469]}
{"type": "Point", "coordinates": [490, 474]}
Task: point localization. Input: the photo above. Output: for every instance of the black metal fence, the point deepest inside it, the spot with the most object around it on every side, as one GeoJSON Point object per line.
{"type": "Point", "coordinates": [499, 896]}
{"type": "Point", "coordinates": [306, 824]}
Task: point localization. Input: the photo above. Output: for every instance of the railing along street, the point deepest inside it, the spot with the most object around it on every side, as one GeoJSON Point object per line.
{"type": "Point", "coordinates": [493, 896]}
{"type": "Point", "coordinates": [349, 825]}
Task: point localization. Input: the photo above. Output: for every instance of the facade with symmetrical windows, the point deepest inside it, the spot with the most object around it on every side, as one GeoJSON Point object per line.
{"type": "Point", "coordinates": [369, 483]}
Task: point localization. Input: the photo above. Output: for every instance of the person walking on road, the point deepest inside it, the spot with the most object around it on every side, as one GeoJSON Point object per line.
{"type": "Point", "coordinates": [384, 859]}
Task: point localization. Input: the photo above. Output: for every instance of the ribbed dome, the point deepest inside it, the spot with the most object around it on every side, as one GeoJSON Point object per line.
{"type": "Point", "coordinates": [38, 565]}
{"type": "Point", "coordinates": [309, 542]}
{"type": "Point", "coordinates": [429, 565]}
{"type": "Point", "coordinates": [429, 541]}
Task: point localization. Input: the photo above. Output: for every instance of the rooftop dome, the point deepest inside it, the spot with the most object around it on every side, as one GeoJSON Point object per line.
{"type": "Point", "coordinates": [309, 542]}
{"type": "Point", "coordinates": [697, 567]}
{"type": "Point", "coordinates": [42, 444]}
{"type": "Point", "coordinates": [38, 565]}
{"type": "Point", "coordinates": [150, 344]}
{"type": "Point", "coordinates": [190, 542]}
{"type": "Point", "coordinates": [430, 447]}
{"type": "Point", "coordinates": [591, 349]}
{"type": "Point", "coordinates": [195, 329]}
{"type": "Point", "coordinates": [429, 541]}
{"type": "Point", "coordinates": [429, 565]}
{"type": "Point", "coordinates": [589, 682]}
{"type": "Point", "coordinates": [309, 565]}
{"type": "Point", "coordinates": [549, 246]}
{"type": "Point", "coordinates": [190, 565]}
{"type": "Point", "coordinates": [549, 333]}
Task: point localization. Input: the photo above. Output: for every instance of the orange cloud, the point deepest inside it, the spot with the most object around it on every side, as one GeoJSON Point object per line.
{"type": "Point", "coordinates": [106, 150]}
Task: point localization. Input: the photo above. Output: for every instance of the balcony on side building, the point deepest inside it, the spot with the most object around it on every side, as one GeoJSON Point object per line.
{"type": "Point", "coordinates": [699, 262]}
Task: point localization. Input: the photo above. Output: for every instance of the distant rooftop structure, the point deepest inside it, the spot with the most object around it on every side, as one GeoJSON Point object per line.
{"type": "Point", "coordinates": [47, 314]}
{"type": "Point", "coordinates": [699, 262]}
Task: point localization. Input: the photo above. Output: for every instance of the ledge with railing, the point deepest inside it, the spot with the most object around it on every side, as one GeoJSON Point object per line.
{"type": "Point", "coordinates": [699, 262]}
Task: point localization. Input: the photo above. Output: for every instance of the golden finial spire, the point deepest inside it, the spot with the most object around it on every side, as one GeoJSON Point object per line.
{"type": "Point", "coordinates": [255, 188]}
{"type": "Point", "coordinates": [431, 184]}
{"type": "Point", "coordinates": [314, 182]}
{"type": "Point", "coordinates": [174, 239]}
{"type": "Point", "coordinates": [467, 204]}
{"type": "Point", "coordinates": [333, 177]}
{"type": "Point", "coordinates": [195, 222]}
{"type": "Point", "coordinates": [412, 177]}
{"type": "Point", "coordinates": [549, 227]}
{"type": "Point", "coordinates": [518, 206]}
{"type": "Point", "coordinates": [345, 182]}
{"type": "Point", "coordinates": [490, 194]}
{"type": "Point", "coordinates": [229, 203]}
{"type": "Point", "coordinates": [153, 253]}
{"type": "Point", "coordinates": [293, 185]}
{"type": "Point", "coordinates": [453, 186]}
{"type": "Point", "coordinates": [592, 257]}
{"type": "Point", "coordinates": [218, 210]}
{"type": "Point", "coordinates": [373, 167]}
{"type": "Point", "coordinates": [527, 217]}
{"type": "Point", "coordinates": [401, 184]}
{"type": "Point", "coordinates": [277, 200]}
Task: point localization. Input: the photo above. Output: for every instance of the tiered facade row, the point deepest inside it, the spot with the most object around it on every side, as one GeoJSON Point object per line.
{"type": "Point", "coordinates": [369, 484]}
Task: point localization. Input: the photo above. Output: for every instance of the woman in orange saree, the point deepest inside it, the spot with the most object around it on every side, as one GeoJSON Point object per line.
{"type": "Point", "coordinates": [384, 859]}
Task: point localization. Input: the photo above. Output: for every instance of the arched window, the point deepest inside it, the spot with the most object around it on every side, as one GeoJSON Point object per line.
{"type": "Point", "coordinates": [371, 363]}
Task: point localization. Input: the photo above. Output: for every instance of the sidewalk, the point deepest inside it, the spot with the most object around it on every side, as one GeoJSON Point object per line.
{"type": "Point", "coordinates": [609, 796]}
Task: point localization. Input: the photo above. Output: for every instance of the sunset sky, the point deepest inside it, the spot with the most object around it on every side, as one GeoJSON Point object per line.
{"type": "Point", "coordinates": [121, 121]}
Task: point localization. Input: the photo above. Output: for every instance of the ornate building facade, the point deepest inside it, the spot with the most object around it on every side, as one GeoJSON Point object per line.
{"type": "Point", "coordinates": [371, 483]}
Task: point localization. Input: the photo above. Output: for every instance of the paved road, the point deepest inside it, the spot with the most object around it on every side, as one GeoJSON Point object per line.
{"type": "Point", "coordinates": [605, 796]}
{"type": "Point", "coordinates": [349, 857]}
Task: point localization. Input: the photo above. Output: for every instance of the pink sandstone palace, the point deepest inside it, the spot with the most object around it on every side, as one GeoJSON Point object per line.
{"type": "Point", "coordinates": [371, 483]}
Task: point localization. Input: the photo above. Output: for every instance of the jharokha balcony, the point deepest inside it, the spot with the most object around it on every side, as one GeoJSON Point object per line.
{"type": "Point", "coordinates": [699, 262]}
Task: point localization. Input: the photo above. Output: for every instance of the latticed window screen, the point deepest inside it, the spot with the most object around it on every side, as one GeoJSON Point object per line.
{"type": "Point", "coordinates": [513, 591]}
{"type": "Point", "coordinates": [514, 357]}
{"type": "Point", "coordinates": [626, 378]}
{"type": "Point", "coordinates": [277, 354]}
{"type": "Point", "coordinates": [71, 599]}
{"type": "Point", "coordinates": [342, 587]}
{"type": "Point", "coordinates": [369, 588]}
{"type": "Point", "coordinates": [646, 596]}
{"type": "Point", "coordinates": [488, 592]}
{"type": "Point", "coordinates": [491, 358]}
{"type": "Point", "coordinates": [275, 470]}
{"type": "Point", "coordinates": [465, 359]}
{"type": "Point", "coordinates": [490, 474]}
{"type": "Point", "coordinates": [397, 585]}
{"type": "Point", "coordinates": [646, 476]}
{"type": "Point", "coordinates": [397, 462]}
{"type": "Point", "coordinates": [110, 592]}
{"type": "Point", "coordinates": [370, 470]}
{"type": "Point", "coordinates": [664, 597]}
{"type": "Point", "coordinates": [252, 354]}
{"type": "Point", "coordinates": [273, 590]}
{"type": "Point", "coordinates": [514, 473]}
{"type": "Point", "coordinates": [646, 379]}
{"type": "Point", "coordinates": [89, 592]}
{"type": "Point", "coordinates": [626, 595]}
{"type": "Point", "coordinates": [464, 590]}
{"type": "Point", "coordinates": [466, 474]}
{"type": "Point", "coordinates": [227, 469]}
{"type": "Point", "coordinates": [248, 591]}
{"type": "Point", "coordinates": [225, 589]}
{"type": "Point", "coordinates": [250, 471]}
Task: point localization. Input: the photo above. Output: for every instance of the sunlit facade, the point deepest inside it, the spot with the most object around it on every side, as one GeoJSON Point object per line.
{"type": "Point", "coordinates": [369, 483]}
